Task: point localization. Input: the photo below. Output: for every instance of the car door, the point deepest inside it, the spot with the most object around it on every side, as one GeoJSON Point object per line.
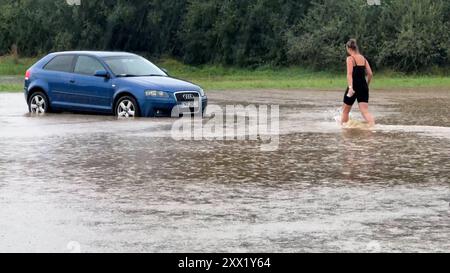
{"type": "Point", "coordinates": [91, 92]}
{"type": "Point", "coordinates": [58, 75]}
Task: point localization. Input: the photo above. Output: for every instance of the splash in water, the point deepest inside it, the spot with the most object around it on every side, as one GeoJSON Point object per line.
{"type": "Point", "coordinates": [335, 115]}
{"type": "Point", "coordinates": [356, 124]}
{"type": "Point", "coordinates": [353, 123]}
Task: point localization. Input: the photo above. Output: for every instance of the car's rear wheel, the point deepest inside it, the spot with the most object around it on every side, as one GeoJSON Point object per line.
{"type": "Point", "coordinates": [38, 103]}
{"type": "Point", "coordinates": [126, 107]}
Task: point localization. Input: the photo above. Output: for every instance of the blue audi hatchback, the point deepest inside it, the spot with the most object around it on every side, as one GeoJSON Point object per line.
{"type": "Point", "coordinates": [123, 84]}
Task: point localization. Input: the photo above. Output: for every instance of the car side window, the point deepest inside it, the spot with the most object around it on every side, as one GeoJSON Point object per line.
{"type": "Point", "coordinates": [61, 63]}
{"type": "Point", "coordinates": [87, 65]}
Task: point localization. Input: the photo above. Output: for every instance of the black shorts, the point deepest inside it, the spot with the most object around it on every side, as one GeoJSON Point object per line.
{"type": "Point", "coordinates": [362, 95]}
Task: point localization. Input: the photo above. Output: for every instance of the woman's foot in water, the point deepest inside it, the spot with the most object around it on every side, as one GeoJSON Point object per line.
{"type": "Point", "coordinates": [345, 116]}
{"type": "Point", "coordinates": [364, 108]}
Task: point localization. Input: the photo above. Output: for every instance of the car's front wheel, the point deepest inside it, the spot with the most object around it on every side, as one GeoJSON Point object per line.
{"type": "Point", "coordinates": [38, 103]}
{"type": "Point", "coordinates": [126, 107]}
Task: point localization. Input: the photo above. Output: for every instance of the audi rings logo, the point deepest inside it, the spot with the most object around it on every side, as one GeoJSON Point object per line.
{"type": "Point", "coordinates": [188, 96]}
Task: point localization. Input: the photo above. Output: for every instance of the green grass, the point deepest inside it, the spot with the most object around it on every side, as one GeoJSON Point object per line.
{"type": "Point", "coordinates": [213, 77]}
{"type": "Point", "coordinates": [9, 66]}
{"type": "Point", "coordinates": [218, 77]}
{"type": "Point", "coordinates": [11, 87]}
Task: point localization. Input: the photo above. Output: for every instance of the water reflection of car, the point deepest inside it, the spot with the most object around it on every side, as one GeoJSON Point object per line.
{"type": "Point", "coordinates": [122, 84]}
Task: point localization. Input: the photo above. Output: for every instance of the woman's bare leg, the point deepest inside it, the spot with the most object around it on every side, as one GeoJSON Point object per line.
{"type": "Point", "coordinates": [345, 113]}
{"type": "Point", "coordinates": [364, 108]}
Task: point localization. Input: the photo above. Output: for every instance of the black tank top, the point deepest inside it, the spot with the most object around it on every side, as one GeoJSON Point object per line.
{"type": "Point", "coordinates": [359, 76]}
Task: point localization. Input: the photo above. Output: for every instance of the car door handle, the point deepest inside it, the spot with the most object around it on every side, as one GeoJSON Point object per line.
{"type": "Point", "coordinates": [72, 81]}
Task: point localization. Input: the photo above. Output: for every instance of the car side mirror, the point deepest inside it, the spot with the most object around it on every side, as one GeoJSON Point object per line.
{"type": "Point", "coordinates": [101, 73]}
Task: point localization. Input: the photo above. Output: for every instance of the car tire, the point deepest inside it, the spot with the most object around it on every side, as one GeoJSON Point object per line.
{"type": "Point", "coordinates": [38, 103]}
{"type": "Point", "coordinates": [126, 107]}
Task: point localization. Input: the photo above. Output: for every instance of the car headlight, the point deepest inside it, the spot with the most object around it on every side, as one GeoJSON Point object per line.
{"type": "Point", "coordinates": [156, 94]}
{"type": "Point", "coordinates": [202, 92]}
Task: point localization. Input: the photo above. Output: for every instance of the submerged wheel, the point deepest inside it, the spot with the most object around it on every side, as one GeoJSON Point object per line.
{"type": "Point", "coordinates": [38, 103]}
{"type": "Point", "coordinates": [126, 107]}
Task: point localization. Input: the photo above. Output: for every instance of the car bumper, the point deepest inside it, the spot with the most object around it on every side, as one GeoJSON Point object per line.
{"type": "Point", "coordinates": [166, 108]}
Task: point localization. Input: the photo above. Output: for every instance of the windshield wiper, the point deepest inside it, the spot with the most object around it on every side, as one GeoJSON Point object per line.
{"type": "Point", "coordinates": [152, 75]}
{"type": "Point", "coordinates": [131, 75]}
{"type": "Point", "coordinates": [126, 75]}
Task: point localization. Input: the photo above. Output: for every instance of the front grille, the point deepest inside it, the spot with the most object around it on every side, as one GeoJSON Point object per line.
{"type": "Point", "coordinates": [187, 96]}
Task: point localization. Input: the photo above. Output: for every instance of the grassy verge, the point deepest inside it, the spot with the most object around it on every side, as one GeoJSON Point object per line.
{"type": "Point", "coordinates": [9, 66]}
{"type": "Point", "coordinates": [219, 77]}
{"type": "Point", "coordinates": [212, 77]}
{"type": "Point", "coordinates": [11, 87]}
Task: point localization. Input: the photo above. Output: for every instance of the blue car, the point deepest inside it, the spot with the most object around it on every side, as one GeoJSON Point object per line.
{"type": "Point", "coordinates": [123, 84]}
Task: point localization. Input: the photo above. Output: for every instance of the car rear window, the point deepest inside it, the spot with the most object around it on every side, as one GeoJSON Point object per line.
{"type": "Point", "coordinates": [61, 63]}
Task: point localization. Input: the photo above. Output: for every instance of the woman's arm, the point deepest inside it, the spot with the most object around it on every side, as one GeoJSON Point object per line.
{"type": "Point", "coordinates": [349, 71]}
{"type": "Point", "coordinates": [350, 92]}
{"type": "Point", "coordinates": [369, 73]}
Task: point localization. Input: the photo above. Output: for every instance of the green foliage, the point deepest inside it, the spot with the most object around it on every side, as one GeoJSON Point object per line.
{"type": "Point", "coordinates": [403, 35]}
{"type": "Point", "coordinates": [319, 39]}
{"type": "Point", "coordinates": [237, 32]}
{"type": "Point", "coordinates": [421, 38]}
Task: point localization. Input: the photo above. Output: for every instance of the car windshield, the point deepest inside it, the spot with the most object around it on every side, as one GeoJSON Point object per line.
{"type": "Point", "coordinates": [132, 66]}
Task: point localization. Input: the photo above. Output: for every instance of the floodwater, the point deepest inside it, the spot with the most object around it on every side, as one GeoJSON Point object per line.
{"type": "Point", "coordinates": [71, 182]}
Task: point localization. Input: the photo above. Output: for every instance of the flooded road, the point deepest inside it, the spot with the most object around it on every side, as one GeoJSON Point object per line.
{"type": "Point", "coordinates": [95, 184]}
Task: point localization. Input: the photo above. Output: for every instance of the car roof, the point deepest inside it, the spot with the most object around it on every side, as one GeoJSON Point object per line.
{"type": "Point", "coordinates": [100, 54]}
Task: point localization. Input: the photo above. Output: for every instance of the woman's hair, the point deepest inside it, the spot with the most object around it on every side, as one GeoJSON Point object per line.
{"type": "Point", "coordinates": [352, 44]}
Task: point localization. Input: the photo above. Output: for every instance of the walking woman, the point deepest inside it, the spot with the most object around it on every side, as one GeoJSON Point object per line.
{"type": "Point", "coordinates": [358, 68]}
